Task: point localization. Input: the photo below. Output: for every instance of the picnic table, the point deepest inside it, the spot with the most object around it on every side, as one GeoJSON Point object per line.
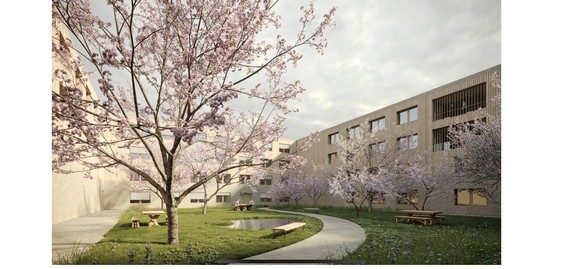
{"type": "Point", "coordinates": [154, 215]}
{"type": "Point", "coordinates": [425, 217]}
{"type": "Point", "coordinates": [243, 207]}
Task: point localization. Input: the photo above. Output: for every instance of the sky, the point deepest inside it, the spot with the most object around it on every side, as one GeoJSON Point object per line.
{"type": "Point", "coordinates": [382, 52]}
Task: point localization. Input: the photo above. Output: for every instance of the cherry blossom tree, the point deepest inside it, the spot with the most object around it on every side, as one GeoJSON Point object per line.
{"type": "Point", "coordinates": [315, 184]}
{"type": "Point", "coordinates": [168, 71]}
{"type": "Point", "coordinates": [364, 171]}
{"type": "Point", "coordinates": [418, 180]}
{"type": "Point", "coordinates": [478, 157]}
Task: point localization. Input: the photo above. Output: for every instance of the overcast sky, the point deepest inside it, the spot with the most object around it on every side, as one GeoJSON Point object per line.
{"type": "Point", "coordinates": [382, 52]}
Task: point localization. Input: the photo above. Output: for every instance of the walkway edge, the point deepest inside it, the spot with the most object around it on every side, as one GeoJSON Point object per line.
{"type": "Point", "coordinates": [337, 238]}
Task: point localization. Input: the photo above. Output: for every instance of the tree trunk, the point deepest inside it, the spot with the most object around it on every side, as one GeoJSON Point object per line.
{"type": "Point", "coordinates": [172, 212]}
{"type": "Point", "coordinates": [204, 207]}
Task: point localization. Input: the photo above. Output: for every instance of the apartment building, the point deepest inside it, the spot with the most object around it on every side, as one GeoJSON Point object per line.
{"type": "Point", "coordinates": [420, 124]}
{"type": "Point", "coordinates": [75, 194]}
{"type": "Point", "coordinates": [228, 187]}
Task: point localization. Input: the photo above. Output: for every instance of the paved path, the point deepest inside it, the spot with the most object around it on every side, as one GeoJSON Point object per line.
{"type": "Point", "coordinates": [83, 231]}
{"type": "Point", "coordinates": [337, 238]}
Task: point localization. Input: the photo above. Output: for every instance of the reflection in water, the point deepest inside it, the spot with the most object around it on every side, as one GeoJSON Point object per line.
{"type": "Point", "coordinates": [256, 224]}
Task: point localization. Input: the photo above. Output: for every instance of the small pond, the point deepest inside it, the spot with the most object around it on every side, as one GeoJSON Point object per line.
{"type": "Point", "coordinates": [256, 224]}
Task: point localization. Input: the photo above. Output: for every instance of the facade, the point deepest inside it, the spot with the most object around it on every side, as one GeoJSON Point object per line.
{"type": "Point", "coordinates": [420, 124]}
{"type": "Point", "coordinates": [229, 187]}
{"type": "Point", "coordinates": [73, 195]}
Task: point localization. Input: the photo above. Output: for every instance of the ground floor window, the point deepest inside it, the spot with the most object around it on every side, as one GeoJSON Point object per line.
{"type": "Point", "coordinates": [139, 198]}
{"type": "Point", "coordinates": [470, 197]}
{"type": "Point", "coordinates": [223, 198]}
{"type": "Point", "coordinates": [265, 198]}
{"type": "Point", "coordinates": [408, 198]}
{"type": "Point", "coordinates": [197, 197]}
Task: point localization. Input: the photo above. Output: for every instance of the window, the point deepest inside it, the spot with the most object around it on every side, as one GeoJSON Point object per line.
{"type": "Point", "coordinates": [245, 161]}
{"type": "Point", "coordinates": [378, 124]}
{"type": "Point", "coordinates": [440, 139]}
{"type": "Point", "coordinates": [244, 178]}
{"type": "Point", "coordinates": [333, 138]}
{"type": "Point", "coordinates": [223, 178]}
{"type": "Point", "coordinates": [378, 198]}
{"type": "Point", "coordinates": [138, 153]}
{"type": "Point", "coordinates": [332, 158]}
{"type": "Point", "coordinates": [407, 198]}
{"type": "Point", "coordinates": [354, 132]}
{"type": "Point", "coordinates": [284, 148]}
{"type": "Point", "coordinates": [460, 102]}
{"type": "Point", "coordinates": [470, 197]}
{"type": "Point", "coordinates": [223, 197]}
{"type": "Point", "coordinates": [139, 197]}
{"type": "Point", "coordinates": [197, 197]}
{"type": "Point", "coordinates": [265, 198]}
{"type": "Point", "coordinates": [283, 163]}
{"type": "Point", "coordinates": [266, 180]}
{"type": "Point", "coordinates": [265, 163]}
{"type": "Point", "coordinates": [270, 147]}
{"type": "Point", "coordinates": [379, 147]}
{"type": "Point", "coordinates": [408, 142]}
{"type": "Point", "coordinates": [407, 115]}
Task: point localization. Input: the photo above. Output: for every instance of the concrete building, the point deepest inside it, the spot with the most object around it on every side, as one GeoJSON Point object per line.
{"type": "Point", "coordinates": [421, 123]}
{"type": "Point", "coordinates": [74, 194]}
{"type": "Point", "coordinates": [423, 120]}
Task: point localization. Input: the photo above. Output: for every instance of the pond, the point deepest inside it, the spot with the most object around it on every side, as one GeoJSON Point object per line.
{"type": "Point", "coordinates": [256, 224]}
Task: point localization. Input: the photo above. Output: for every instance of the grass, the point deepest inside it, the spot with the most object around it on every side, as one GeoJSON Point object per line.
{"type": "Point", "coordinates": [203, 238]}
{"type": "Point", "coordinates": [461, 240]}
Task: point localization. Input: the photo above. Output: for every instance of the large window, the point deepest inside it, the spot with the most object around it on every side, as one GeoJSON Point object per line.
{"type": "Point", "coordinates": [223, 197]}
{"type": "Point", "coordinates": [407, 115]}
{"type": "Point", "coordinates": [266, 180]}
{"type": "Point", "coordinates": [265, 198]}
{"type": "Point", "coordinates": [244, 178]}
{"type": "Point", "coordinates": [139, 153]}
{"type": "Point", "coordinates": [266, 163]}
{"type": "Point", "coordinates": [379, 147]}
{"type": "Point", "coordinates": [407, 198]}
{"type": "Point", "coordinates": [460, 102]}
{"type": "Point", "coordinates": [408, 142]}
{"type": "Point", "coordinates": [354, 132]}
{"type": "Point", "coordinates": [284, 148]}
{"type": "Point", "coordinates": [332, 158]}
{"type": "Point", "coordinates": [378, 124]}
{"type": "Point", "coordinates": [139, 197]}
{"type": "Point", "coordinates": [333, 138]}
{"type": "Point", "coordinates": [197, 197]}
{"type": "Point", "coordinates": [470, 197]}
{"type": "Point", "coordinates": [440, 139]}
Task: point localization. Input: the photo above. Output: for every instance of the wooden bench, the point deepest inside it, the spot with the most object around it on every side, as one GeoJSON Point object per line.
{"type": "Point", "coordinates": [311, 209]}
{"type": "Point", "coordinates": [134, 222]}
{"type": "Point", "coordinates": [423, 220]}
{"type": "Point", "coordinates": [441, 220]}
{"type": "Point", "coordinates": [288, 227]}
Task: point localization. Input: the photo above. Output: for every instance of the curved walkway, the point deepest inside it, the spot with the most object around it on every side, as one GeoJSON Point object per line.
{"type": "Point", "coordinates": [337, 238]}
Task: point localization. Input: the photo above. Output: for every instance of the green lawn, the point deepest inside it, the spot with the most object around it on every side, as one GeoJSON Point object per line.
{"type": "Point", "coordinates": [461, 240]}
{"type": "Point", "coordinates": [203, 238]}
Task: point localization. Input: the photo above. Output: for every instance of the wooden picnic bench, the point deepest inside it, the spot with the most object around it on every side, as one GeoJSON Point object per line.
{"type": "Point", "coordinates": [134, 222]}
{"type": "Point", "coordinates": [422, 216]}
{"type": "Point", "coordinates": [288, 227]}
{"type": "Point", "coordinates": [243, 207]}
{"type": "Point", "coordinates": [311, 209]}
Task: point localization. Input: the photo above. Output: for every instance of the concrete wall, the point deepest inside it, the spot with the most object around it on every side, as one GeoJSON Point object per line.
{"type": "Point", "coordinates": [423, 126]}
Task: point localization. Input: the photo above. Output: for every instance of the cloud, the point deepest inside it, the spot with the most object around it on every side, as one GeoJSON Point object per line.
{"type": "Point", "coordinates": [381, 52]}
